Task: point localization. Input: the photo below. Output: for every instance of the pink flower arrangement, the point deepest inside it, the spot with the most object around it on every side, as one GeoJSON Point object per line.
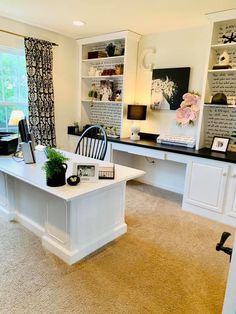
{"type": "Point", "coordinates": [188, 111]}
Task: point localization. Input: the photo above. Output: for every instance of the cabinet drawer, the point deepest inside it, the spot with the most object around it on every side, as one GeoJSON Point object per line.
{"type": "Point", "coordinates": [141, 151]}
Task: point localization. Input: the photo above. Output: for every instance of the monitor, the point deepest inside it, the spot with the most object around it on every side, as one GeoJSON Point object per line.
{"type": "Point", "coordinates": [24, 131]}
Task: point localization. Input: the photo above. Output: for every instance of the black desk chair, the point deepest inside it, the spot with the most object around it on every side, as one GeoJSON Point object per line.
{"type": "Point", "coordinates": [93, 143]}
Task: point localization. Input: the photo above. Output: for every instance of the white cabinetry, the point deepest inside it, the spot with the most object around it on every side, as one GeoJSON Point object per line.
{"type": "Point", "coordinates": [206, 184]}
{"type": "Point", "coordinates": [210, 190]}
{"type": "Point", "coordinates": [220, 119]}
{"type": "Point", "coordinates": [230, 204]}
{"type": "Point", "coordinates": [107, 83]}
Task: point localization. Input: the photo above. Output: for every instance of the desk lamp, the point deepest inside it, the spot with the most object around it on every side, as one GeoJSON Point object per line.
{"type": "Point", "coordinates": [15, 117]}
{"type": "Point", "coordinates": [136, 112]}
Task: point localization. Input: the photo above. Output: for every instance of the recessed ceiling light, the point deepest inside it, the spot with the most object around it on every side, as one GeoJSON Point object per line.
{"type": "Point", "coordinates": [78, 23]}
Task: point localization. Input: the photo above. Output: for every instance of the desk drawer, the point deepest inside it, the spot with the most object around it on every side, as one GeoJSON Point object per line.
{"type": "Point", "coordinates": [141, 151]}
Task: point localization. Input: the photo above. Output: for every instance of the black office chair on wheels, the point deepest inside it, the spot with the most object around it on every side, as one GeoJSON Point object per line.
{"type": "Point", "coordinates": [93, 142]}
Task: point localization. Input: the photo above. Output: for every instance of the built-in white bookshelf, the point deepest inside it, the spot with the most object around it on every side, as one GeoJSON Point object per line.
{"type": "Point", "coordinates": [99, 71]}
{"type": "Point", "coordinates": [219, 119]}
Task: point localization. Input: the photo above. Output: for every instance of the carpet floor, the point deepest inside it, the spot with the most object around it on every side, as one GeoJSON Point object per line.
{"type": "Point", "coordinates": [166, 263]}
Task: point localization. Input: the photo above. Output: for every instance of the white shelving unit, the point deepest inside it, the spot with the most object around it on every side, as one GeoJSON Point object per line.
{"type": "Point", "coordinates": [117, 72]}
{"type": "Point", "coordinates": [215, 119]}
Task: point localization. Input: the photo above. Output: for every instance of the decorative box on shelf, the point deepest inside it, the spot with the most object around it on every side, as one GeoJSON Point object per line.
{"type": "Point", "coordinates": [96, 54]}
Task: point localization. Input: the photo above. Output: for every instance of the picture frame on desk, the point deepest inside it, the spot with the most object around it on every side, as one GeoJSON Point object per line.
{"type": "Point", "coordinates": [87, 172]}
{"type": "Point", "coordinates": [220, 144]}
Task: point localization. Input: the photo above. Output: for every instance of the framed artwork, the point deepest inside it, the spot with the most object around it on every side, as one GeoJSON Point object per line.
{"type": "Point", "coordinates": [220, 144]}
{"type": "Point", "coordinates": [168, 87]}
{"type": "Point", "coordinates": [87, 172]}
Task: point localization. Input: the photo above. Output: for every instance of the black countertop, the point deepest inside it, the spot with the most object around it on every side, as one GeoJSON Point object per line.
{"type": "Point", "coordinates": [202, 153]}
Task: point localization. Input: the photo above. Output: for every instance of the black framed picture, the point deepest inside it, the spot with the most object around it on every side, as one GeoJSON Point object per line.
{"type": "Point", "coordinates": [220, 144]}
{"type": "Point", "coordinates": [168, 87]}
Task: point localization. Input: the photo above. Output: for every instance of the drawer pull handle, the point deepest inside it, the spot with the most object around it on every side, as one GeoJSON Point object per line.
{"type": "Point", "coordinates": [224, 174]}
{"type": "Point", "coordinates": [234, 176]}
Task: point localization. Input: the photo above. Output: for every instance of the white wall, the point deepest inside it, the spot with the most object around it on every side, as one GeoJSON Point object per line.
{"type": "Point", "coordinates": [64, 71]}
{"type": "Point", "coordinates": [181, 48]}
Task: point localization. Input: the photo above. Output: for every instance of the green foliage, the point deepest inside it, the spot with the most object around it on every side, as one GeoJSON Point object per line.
{"type": "Point", "coordinates": [54, 163]}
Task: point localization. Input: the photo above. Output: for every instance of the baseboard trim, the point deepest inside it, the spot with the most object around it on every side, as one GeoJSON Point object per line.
{"type": "Point", "coordinates": [71, 257]}
{"type": "Point", "coordinates": [164, 187]}
{"type": "Point", "coordinates": [6, 215]}
{"type": "Point", "coordinates": [30, 224]}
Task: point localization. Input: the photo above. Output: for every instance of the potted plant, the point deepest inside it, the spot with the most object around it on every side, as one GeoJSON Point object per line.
{"type": "Point", "coordinates": [55, 167]}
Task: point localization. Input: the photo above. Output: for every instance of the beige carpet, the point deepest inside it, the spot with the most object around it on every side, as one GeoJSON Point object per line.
{"type": "Point", "coordinates": [166, 263]}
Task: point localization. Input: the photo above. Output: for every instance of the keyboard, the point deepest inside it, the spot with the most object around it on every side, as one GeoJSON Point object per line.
{"type": "Point", "coordinates": [177, 140]}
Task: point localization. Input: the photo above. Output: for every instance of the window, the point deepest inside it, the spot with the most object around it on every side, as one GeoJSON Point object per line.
{"type": "Point", "coordinates": [13, 85]}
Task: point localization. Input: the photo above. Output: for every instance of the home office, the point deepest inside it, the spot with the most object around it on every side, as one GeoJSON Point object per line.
{"type": "Point", "coordinates": [165, 166]}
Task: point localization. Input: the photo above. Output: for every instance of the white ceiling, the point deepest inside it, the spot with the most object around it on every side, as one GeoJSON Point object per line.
{"type": "Point", "coordinates": [105, 16]}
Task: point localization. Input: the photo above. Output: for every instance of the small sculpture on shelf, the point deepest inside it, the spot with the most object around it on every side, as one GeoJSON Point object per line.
{"type": "Point", "coordinates": [223, 61]}
{"type": "Point", "coordinates": [229, 39]}
{"type": "Point", "coordinates": [110, 49]}
{"type": "Point", "coordinates": [93, 92]}
{"type": "Point", "coordinates": [118, 96]}
{"type": "Point", "coordinates": [106, 90]}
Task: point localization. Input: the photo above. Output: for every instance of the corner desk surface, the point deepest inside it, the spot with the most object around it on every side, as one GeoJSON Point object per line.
{"type": "Point", "coordinates": [72, 221]}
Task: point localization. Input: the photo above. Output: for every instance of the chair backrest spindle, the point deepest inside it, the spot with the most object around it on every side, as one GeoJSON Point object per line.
{"type": "Point", "coordinates": [93, 142]}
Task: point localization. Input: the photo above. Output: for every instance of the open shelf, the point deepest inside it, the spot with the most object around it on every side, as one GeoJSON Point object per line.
{"type": "Point", "coordinates": [115, 58]}
{"type": "Point", "coordinates": [219, 106]}
{"type": "Point", "coordinates": [224, 46]}
{"type": "Point", "coordinates": [222, 70]}
{"type": "Point", "coordinates": [101, 76]}
{"type": "Point", "coordinates": [101, 102]}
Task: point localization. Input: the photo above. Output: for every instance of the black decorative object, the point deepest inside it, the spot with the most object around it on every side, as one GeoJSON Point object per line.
{"type": "Point", "coordinates": [219, 98]}
{"type": "Point", "coordinates": [110, 49]}
{"type": "Point", "coordinates": [168, 87]}
{"type": "Point", "coordinates": [229, 39]}
{"type": "Point", "coordinates": [73, 180]}
{"type": "Point", "coordinates": [220, 246]}
{"type": "Point", "coordinates": [59, 178]}
{"type": "Point", "coordinates": [55, 167]}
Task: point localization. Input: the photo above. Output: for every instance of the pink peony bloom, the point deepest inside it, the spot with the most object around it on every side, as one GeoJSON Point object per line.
{"type": "Point", "coordinates": [185, 115]}
{"type": "Point", "coordinates": [188, 110]}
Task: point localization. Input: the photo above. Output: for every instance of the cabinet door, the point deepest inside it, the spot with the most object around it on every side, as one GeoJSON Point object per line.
{"type": "Point", "coordinates": [230, 204]}
{"type": "Point", "coordinates": [205, 184]}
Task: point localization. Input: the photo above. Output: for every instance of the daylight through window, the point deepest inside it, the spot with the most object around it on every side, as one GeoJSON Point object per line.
{"type": "Point", "coordinates": [13, 85]}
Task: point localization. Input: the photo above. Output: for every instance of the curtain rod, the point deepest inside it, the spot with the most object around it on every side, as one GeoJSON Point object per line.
{"type": "Point", "coordinates": [15, 34]}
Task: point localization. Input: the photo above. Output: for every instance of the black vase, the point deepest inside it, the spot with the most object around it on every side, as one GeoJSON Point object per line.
{"type": "Point", "coordinates": [110, 49]}
{"type": "Point", "coordinates": [59, 178]}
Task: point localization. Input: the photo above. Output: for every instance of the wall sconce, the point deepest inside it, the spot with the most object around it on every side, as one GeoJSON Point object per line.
{"type": "Point", "coordinates": [146, 55]}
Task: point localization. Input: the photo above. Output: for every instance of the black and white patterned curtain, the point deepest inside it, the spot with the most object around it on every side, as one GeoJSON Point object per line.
{"type": "Point", "coordinates": [39, 64]}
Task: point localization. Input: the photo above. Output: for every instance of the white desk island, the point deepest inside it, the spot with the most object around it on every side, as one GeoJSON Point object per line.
{"type": "Point", "coordinates": [72, 221]}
